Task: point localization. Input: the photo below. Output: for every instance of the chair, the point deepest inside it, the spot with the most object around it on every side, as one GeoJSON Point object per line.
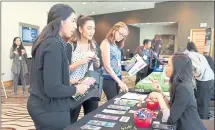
{"type": "Point", "coordinates": [3, 85]}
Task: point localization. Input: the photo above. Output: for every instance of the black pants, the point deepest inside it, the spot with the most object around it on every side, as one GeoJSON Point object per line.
{"type": "Point", "coordinates": [44, 120]}
{"type": "Point", "coordinates": [89, 105]}
{"type": "Point", "coordinates": [110, 88]}
{"type": "Point", "coordinates": [203, 96]}
{"type": "Point", "coordinates": [142, 74]}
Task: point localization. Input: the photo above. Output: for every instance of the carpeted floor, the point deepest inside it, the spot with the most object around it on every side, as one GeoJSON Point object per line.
{"type": "Point", "coordinates": [14, 112]}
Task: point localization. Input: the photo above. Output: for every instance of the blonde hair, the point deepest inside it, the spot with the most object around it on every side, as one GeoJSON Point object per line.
{"type": "Point", "coordinates": [111, 34]}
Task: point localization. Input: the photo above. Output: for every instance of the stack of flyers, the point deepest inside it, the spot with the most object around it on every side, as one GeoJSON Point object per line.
{"type": "Point", "coordinates": [126, 102]}
{"type": "Point", "coordinates": [101, 123]}
{"type": "Point", "coordinates": [91, 127]}
{"type": "Point", "coordinates": [106, 117]}
{"type": "Point", "coordinates": [123, 108]}
{"type": "Point", "coordinates": [114, 111]}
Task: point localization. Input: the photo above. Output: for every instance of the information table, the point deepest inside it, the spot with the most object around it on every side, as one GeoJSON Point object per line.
{"type": "Point", "coordinates": [118, 125]}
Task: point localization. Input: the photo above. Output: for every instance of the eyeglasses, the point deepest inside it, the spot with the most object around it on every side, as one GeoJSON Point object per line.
{"type": "Point", "coordinates": [121, 34]}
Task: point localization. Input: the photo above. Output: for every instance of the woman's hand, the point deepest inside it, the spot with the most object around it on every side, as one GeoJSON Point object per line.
{"type": "Point", "coordinates": [15, 52]}
{"type": "Point", "coordinates": [156, 86]}
{"type": "Point", "coordinates": [74, 81]}
{"type": "Point", "coordinates": [154, 96]}
{"type": "Point", "coordinates": [81, 88]}
{"type": "Point", "coordinates": [23, 51]}
{"type": "Point", "coordinates": [85, 60]}
{"type": "Point", "coordinates": [123, 86]}
{"type": "Point", "coordinates": [96, 61]}
{"type": "Point", "coordinates": [88, 81]}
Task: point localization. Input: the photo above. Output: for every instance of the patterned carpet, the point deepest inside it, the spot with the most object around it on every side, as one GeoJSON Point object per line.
{"type": "Point", "coordinates": [14, 112]}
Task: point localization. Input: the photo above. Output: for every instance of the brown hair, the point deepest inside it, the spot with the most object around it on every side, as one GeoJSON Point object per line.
{"type": "Point", "coordinates": [111, 34]}
{"type": "Point", "coordinates": [81, 20]}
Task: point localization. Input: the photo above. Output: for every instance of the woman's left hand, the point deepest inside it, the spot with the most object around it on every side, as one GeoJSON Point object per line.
{"type": "Point", "coordinates": [156, 86]}
{"type": "Point", "coordinates": [154, 96]}
{"type": "Point", "coordinates": [23, 51]}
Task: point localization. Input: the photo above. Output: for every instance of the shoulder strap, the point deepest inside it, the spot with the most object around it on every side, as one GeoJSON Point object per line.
{"type": "Point", "coordinates": [74, 45]}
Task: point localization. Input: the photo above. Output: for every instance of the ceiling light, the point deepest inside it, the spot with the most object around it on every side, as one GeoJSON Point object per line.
{"type": "Point", "coordinates": [93, 12]}
{"type": "Point", "coordinates": [147, 23]}
{"type": "Point", "coordinates": [84, 3]}
{"type": "Point", "coordinates": [124, 8]}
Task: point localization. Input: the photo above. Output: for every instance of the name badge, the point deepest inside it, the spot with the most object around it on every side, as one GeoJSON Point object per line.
{"type": "Point", "coordinates": [145, 57]}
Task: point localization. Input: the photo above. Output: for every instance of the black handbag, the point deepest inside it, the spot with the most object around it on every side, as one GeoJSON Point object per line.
{"type": "Point", "coordinates": [99, 80]}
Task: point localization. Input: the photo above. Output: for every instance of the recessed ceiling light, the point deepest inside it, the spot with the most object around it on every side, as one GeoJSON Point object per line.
{"type": "Point", "coordinates": [93, 12]}
{"type": "Point", "coordinates": [124, 8]}
{"type": "Point", "coordinates": [171, 22]}
{"type": "Point", "coordinates": [84, 3]}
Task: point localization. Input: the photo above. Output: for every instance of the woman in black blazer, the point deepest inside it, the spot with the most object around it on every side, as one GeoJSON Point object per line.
{"type": "Point", "coordinates": [50, 99]}
{"type": "Point", "coordinates": [182, 108]}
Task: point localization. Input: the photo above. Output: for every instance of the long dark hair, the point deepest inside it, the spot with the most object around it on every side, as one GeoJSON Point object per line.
{"type": "Point", "coordinates": [81, 20]}
{"type": "Point", "coordinates": [56, 14]}
{"type": "Point", "coordinates": [182, 71]}
{"type": "Point", "coordinates": [191, 47]}
{"type": "Point", "coordinates": [21, 47]}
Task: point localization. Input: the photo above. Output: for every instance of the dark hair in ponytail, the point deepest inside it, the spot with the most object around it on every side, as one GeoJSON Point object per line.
{"type": "Point", "coordinates": [81, 20]}
{"type": "Point", "coordinates": [56, 14]}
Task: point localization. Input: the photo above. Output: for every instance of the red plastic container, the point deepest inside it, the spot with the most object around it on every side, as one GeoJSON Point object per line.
{"type": "Point", "coordinates": [152, 105]}
{"type": "Point", "coordinates": [143, 123]}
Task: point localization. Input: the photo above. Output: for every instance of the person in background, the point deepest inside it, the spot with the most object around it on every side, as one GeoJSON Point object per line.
{"type": "Point", "coordinates": [204, 76]}
{"type": "Point", "coordinates": [111, 56]}
{"type": "Point", "coordinates": [156, 44]}
{"type": "Point", "coordinates": [148, 55]}
{"type": "Point", "coordinates": [19, 65]}
{"type": "Point", "coordinates": [181, 109]}
{"type": "Point", "coordinates": [84, 57]}
{"type": "Point", "coordinates": [211, 63]}
{"type": "Point", "coordinates": [50, 99]}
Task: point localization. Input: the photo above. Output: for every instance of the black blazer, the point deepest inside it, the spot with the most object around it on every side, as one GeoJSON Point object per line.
{"type": "Point", "coordinates": [50, 84]}
{"type": "Point", "coordinates": [183, 109]}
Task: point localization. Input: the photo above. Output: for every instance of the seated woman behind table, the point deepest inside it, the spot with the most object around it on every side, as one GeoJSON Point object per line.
{"type": "Point", "coordinates": [181, 109]}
